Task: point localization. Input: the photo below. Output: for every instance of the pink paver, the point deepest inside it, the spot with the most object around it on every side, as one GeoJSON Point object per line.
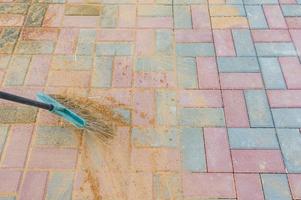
{"type": "Point", "coordinates": [16, 152]}
{"type": "Point", "coordinates": [271, 36]}
{"type": "Point", "coordinates": [274, 17]}
{"type": "Point", "coordinates": [207, 73]}
{"type": "Point", "coordinates": [115, 35]}
{"type": "Point", "coordinates": [224, 43]}
{"type": "Point", "coordinates": [53, 158]}
{"type": "Point", "coordinates": [193, 36]}
{"type": "Point", "coordinates": [241, 81]}
{"type": "Point", "coordinates": [209, 185]}
{"type": "Point", "coordinates": [295, 185]}
{"type": "Point", "coordinates": [34, 185]}
{"type": "Point", "coordinates": [248, 187]}
{"type": "Point", "coordinates": [291, 69]}
{"type": "Point", "coordinates": [284, 98]}
{"type": "Point", "coordinates": [257, 161]}
{"type": "Point", "coordinates": [235, 108]}
{"type": "Point", "coordinates": [10, 180]}
{"type": "Point", "coordinates": [217, 150]}
{"type": "Point", "coordinates": [122, 73]}
{"type": "Point", "coordinates": [200, 98]}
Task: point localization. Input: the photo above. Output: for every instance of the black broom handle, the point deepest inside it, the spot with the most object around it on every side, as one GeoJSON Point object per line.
{"type": "Point", "coordinates": [22, 100]}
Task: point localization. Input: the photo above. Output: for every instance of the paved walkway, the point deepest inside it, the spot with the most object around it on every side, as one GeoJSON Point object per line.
{"type": "Point", "coordinates": [212, 90]}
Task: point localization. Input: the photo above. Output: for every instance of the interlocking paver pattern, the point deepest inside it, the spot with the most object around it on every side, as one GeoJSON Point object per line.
{"type": "Point", "coordinates": [211, 90]}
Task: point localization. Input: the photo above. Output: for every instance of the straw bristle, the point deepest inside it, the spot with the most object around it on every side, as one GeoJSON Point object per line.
{"type": "Point", "coordinates": [100, 119]}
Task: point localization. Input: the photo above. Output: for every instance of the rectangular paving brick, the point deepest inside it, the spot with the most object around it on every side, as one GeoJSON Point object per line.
{"type": "Point", "coordinates": [155, 137]}
{"type": "Point", "coordinates": [229, 22]}
{"type": "Point", "coordinates": [34, 185]}
{"type": "Point", "coordinates": [186, 68]}
{"type": "Point", "coordinates": [182, 17]}
{"type": "Point", "coordinates": [154, 22]}
{"type": "Point", "coordinates": [295, 185]}
{"type": "Point", "coordinates": [122, 72]}
{"type": "Point", "coordinates": [144, 107]}
{"type": "Point", "coordinates": [243, 42]}
{"type": "Point", "coordinates": [195, 49]}
{"type": "Point", "coordinates": [140, 186]}
{"type": "Point", "coordinates": [80, 21]}
{"type": "Point", "coordinates": [36, 13]}
{"type": "Point", "coordinates": [10, 180]}
{"type": "Point", "coordinates": [295, 34]}
{"type": "Point", "coordinates": [193, 150]}
{"type": "Point", "coordinates": [291, 69]}
{"type": "Point", "coordinates": [208, 185]}
{"type": "Point", "coordinates": [59, 186]}
{"type": "Point", "coordinates": [154, 63]}
{"type": "Point", "coordinates": [275, 49]}
{"type": "Point", "coordinates": [291, 10]}
{"type": "Point", "coordinates": [11, 20]}
{"type": "Point", "coordinates": [167, 186]}
{"type": "Point", "coordinates": [217, 150]}
{"type": "Point", "coordinates": [223, 43]}
{"type": "Point", "coordinates": [154, 79]}
{"type": "Point", "coordinates": [114, 35]}
{"type": "Point", "coordinates": [271, 184]}
{"type": "Point", "coordinates": [256, 16]}
{"type": "Point", "coordinates": [200, 16]}
{"type": "Point", "coordinates": [271, 73]}
{"type": "Point", "coordinates": [69, 78]}
{"type": "Point", "coordinates": [226, 10]}
{"type": "Point", "coordinates": [38, 70]}
{"type": "Point", "coordinates": [17, 71]}
{"type": "Point", "coordinates": [102, 76]}
{"type": "Point", "coordinates": [293, 22]}
{"type": "Point", "coordinates": [114, 49]}
{"type": "Point", "coordinates": [284, 98]}
{"type": "Point", "coordinates": [238, 64]}
{"type": "Point", "coordinates": [257, 161]}
{"type": "Point", "coordinates": [155, 159]}
{"type": "Point", "coordinates": [66, 43]}
{"type": "Point", "coordinates": [166, 107]}
{"type": "Point", "coordinates": [145, 42]}
{"type": "Point", "coordinates": [71, 62]}
{"type": "Point", "coordinates": [53, 158]}
{"type": "Point", "coordinates": [201, 117]}
{"type": "Point", "coordinates": [235, 108]}
{"type": "Point", "coordinates": [154, 10]}
{"type": "Point", "coordinates": [164, 42]}
{"type": "Point", "coordinates": [127, 16]}
{"type": "Point", "coordinates": [290, 140]}
{"type": "Point", "coordinates": [54, 15]}
{"type": "Point", "coordinates": [274, 17]}
{"type": "Point", "coordinates": [8, 39]}
{"type": "Point", "coordinates": [4, 60]}
{"type": "Point", "coordinates": [17, 148]}
{"type": "Point", "coordinates": [200, 98]}
{"type": "Point", "coordinates": [35, 47]}
{"type": "Point", "coordinates": [184, 35]}
{"type": "Point", "coordinates": [258, 108]}
{"type": "Point", "coordinates": [55, 136]}
{"type": "Point", "coordinates": [3, 135]}
{"type": "Point", "coordinates": [248, 187]}
{"type": "Point", "coordinates": [287, 117]}
{"type": "Point", "coordinates": [207, 73]}
{"type": "Point", "coordinates": [241, 81]}
{"type": "Point", "coordinates": [109, 16]}
{"type": "Point", "coordinates": [271, 35]}
{"type": "Point", "coordinates": [82, 10]}
{"type": "Point", "coordinates": [253, 138]}
{"type": "Point", "coordinates": [36, 33]}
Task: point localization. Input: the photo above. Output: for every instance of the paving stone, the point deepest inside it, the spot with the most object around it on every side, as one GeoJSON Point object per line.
{"type": "Point", "coordinates": [154, 10]}
{"type": "Point", "coordinates": [284, 98]}
{"type": "Point", "coordinates": [291, 69]}
{"type": "Point", "coordinates": [271, 73]}
{"type": "Point", "coordinates": [271, 35]}
{"type": "Point", "coordinates": [238, 64]}
{"type": "Point", "coordinates": [274, 17]}
{"type": "Point", "coordinates": [8, 8]}
{"type": "Point", "coordinates": [166, 186]}
{"type": "Point", "coordinates": [122, 72]}
{"type": "Point", "coordinates": [291, 10]}
{"type": "Point", "coordinates": [35, 14]}
{"type": "Point", "coordinates": [82, 10]}
{"type": "Point", "coordinates": [275, 49]}
{"type": "Point", "coordinates": [103, 69]}
{"type": "Point", "coordinates": [223, 42]}
{"type": "Point", "coordinates": [271, 184]}
{"type": "Point", "coordinates": [4, 60]}
{"type": "Point", "coordinates": [257, 161]}
{"type": "Point", "coordinates": [217, 150]}
{"type": "Point", "coordinates": [186, 68]}
{"type": "Point", "coordinates": [10, 180]}
{"type": "Point", "coordinates": [109, 16]}
{"type": "Point", "coordinates": [207, 73]}
{"type": "Point", "coordinates": [182, 17]}
{"type": "Point", "coordinates": [200, 98]}
{"type": "Point", "coordinates": [17, 71]}
{"type": "Point", "coordinates": [253, 138]}
{"type": "Point", "coordinates": [34, 185]}
{"type": "Point", "coordinates": [35, 47]}
{"type": "Point", "coordinates": [229, 22]}
{"type": "Point", "coordinates": [201, 117]}
{"type": "Point", "coordinates": [70, 62]}
{"type": "Point", "coordinates": [194, 49]}
{"type": "Point", "coordinates": [164, 42]}
{"type": "Point", "coordinates": [155, 137]}
{"type": "Point", "coordinates": [16, 150]}
{"type": "Point", "coordinates": [8, 39]}
{"type": "Point", "coordinates": [258, 109]}
{"type": "Point", "coordinates": [3, 135]}
{"type": "Point", "coordinates": [8, 198]}
{"type": "Point", "coordinates": [248, 186]}
{"type": "Point", "coordinates": [209, 185]}
{"type": "Point", "coordinates": [193, 151]}
{"type": "Point", "coordinates": [166, 107]}
{"type": "Point", "coordinates": [55, 136]}
{"type": "Point", "coordinates": [60, 186]}
{"type": "Point", "coordinates": [290, 140]}
{"type": "Point", "coordinates": [156, 63]}
{"type": "Point", "coordinates": [256, 17]}
{"type": "Point", "coordinates": [241, 81]}
{"type": "Point", "coordinates": [113, 49]}
{"type": "Point", "coordinates": [226, 10]}
{"type": "Point", "coordinates": [287, 117]}
{"type": "Point", "coordinates": [295, 185]}
{"type": "Point", "coordinates": [243, 42]}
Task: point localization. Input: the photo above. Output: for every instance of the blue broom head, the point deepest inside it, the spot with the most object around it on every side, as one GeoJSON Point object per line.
{"type": "Point", "coordinates": [62, 111]}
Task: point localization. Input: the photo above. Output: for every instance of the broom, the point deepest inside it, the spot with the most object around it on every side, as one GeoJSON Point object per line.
{"type": "Point", "coordinates": [83, 113]}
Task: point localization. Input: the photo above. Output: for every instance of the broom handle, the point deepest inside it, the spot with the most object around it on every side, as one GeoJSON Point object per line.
{"type": "Point", "coordinates": [22, 100]}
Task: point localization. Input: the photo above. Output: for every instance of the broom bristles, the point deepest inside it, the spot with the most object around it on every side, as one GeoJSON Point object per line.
{"type": "Point", "coordinates": [101, 120]}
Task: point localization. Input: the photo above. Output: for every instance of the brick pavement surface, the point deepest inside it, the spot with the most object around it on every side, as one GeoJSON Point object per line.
{"type": "Point", "coordinates": [211, 88]}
